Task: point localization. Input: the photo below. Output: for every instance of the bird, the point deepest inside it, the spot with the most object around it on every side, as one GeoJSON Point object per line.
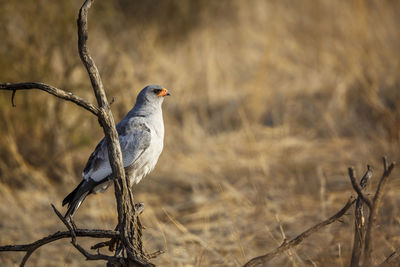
{"type": "Point", "coordinates": [141, 137]}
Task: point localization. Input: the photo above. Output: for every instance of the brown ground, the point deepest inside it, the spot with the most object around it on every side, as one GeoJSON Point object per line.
{"type": "Point", "coordinates": [272, 101]}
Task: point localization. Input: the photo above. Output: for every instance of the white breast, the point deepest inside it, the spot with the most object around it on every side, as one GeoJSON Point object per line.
{"type": "Point", "coordinates": [146, 163]}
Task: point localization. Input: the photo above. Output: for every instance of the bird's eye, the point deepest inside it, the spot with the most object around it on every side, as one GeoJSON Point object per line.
{"type": "Point", "coordinates": [157, 91]}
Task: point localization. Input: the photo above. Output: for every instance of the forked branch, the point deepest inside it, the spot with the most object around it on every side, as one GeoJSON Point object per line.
{"type": "Point", "coordinates": [359, 221]}
{"type": "Point", "coordinates": [374, 210]}
{"type": "Point", "coordinates": [297, 240]}
{"type": "Point", "coordinates": [71, 233]}
{"type": "Point", "coordinates": [128, 222]}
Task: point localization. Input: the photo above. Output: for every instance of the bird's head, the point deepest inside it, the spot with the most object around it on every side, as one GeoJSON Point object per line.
{"type": "Point", "coordinates": [153, 94]}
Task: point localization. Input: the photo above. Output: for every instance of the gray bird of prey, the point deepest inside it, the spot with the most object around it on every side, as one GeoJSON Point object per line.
{"type": "Point", "coordinates": [141, 137]}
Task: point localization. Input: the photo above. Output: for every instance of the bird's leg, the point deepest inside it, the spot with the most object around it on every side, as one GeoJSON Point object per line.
{"type": "Point", "coordinates": [139, 207]}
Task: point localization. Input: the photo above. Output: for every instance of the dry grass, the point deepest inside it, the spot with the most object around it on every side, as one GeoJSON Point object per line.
{"type": "Point", "coordinates": [272, 101]}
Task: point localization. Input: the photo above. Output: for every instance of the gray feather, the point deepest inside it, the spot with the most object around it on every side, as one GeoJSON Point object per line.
{"type": "Point", "coordinates": [141, 135]}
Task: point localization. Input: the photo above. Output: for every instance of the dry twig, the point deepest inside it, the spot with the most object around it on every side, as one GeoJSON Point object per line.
{"type": "Point", "coordinates": [392, 260]}
{"type": "Point", "coordinates": [359, 219]}
{"type": "Point", "coordinates": [361, 245]}
{"type": "Point", "coordinates": [94, 233]}
{"type": "Point", "coordinates": [360, 231]}
{"type": "Point", "coordinates": [51, 90]}
{"type": "Point", "coordinates": [297, 240]}
{"type": "Point", "coordinates": [374, 210]}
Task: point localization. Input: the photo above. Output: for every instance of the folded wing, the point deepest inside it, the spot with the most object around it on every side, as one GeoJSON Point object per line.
{"type": "Point", "coordinates": [133, 141]}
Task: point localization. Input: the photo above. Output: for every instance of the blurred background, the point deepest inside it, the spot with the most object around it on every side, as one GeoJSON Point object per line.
{"type": "Point", "coordinates": [271, 102]}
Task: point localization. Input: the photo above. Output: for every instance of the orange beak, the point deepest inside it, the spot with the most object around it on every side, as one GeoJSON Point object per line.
{"type": "Point", "coordinates": [163, 92]}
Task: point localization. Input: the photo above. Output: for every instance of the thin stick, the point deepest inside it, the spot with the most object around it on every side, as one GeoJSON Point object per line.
{"type": "Point", "coordinates": [297, 240]}
{"type": "Point", "coordinates": [359, 222]}
{"type": "Point", "coordinates": [51, 90]}
{"type": "Point", "coordinates": [391, 260]}
{"type": "Point", "coordinates": [129, 226]}
{"type": "Point", "coordinates": [31, 247]}
{"type": "Point", "coordinates": [374, 210]}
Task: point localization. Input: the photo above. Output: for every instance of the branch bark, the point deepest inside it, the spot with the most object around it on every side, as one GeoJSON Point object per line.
{"type": "Point", "coordinates": [51, 90]}
{"type": "Point", "coordinates": [297, 240]}
{"type": "Point", "coordinates": [128, 222]}
{"type": "Point", "coordinates": [95, 233]}
{"type": "Point", "coordinates": [374, 211]}
{"type": "Point", "coordinates": [359, 220]}
{"type": "Point", "coordinates": [72, 233]}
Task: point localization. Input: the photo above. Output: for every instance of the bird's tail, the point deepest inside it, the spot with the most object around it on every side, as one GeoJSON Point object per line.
{"type": "Point", "coordinates": [76, 197]}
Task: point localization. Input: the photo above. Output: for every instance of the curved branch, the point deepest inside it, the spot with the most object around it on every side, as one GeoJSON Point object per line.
{"type": "Point", "coordinates": [73, 233]}
{"type": "Point", "coordinates": [359, 221]}
{"type": "Point", "coordinates": [31, 247]}
{"type": "Point", "coordinates": [297, 240]}
{"type": "Point", "coordinates": [51, 90]}
{"type": "Point", "coordinates": [375, 208]}
{"type": "Point", "coordinates": [105, 116]}
{"type": "Point", "coordinates": [128, 222]}
{"type": "Point", "coordinates": [84, 54]}
{"type": "Point", "coordinates": [95, 233]}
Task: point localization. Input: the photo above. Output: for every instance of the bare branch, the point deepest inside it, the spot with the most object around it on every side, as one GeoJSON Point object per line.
{"type": "Point", "coordinates": [83, 251]}
{"type": "Point", "coordinates": [51, 90]}
{"type": "Point", "coordinates": [359, 222]}
{"type": "Point", "coordinates": [155, 254]}
{"type": "Point", "coordinates": [87, 60]}
{"type": "Point", "coordinates": [108, 243]}
{"type": "Point", "coordinates": [392, 260]}
{"type": "Point", "coordinates": [12, 98]}
{"type": "Point", "coordinates": [94, 233]}
{"type": "Point", "coordinates": [297, 240]}
{"type": "Point", "coordinates": [357, 188]}
{"type": "Point", "coordinates": [384, 161]}
{"type": "Point", "coordinates": [31, 247]}
{"type": "Point", "coordinates": [128, 222]}
{"type": "Point", "coordinates": [113, 243]}
{"type": "Point", "coordinates": [374, 210]}
{"type": "Point", "coordinates": [69, 227]}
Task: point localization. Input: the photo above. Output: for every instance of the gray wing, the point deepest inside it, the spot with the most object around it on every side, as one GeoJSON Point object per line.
{"type": "Point", "coordinates": [134, 139]}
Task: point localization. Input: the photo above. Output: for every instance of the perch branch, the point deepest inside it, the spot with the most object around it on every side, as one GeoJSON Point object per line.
{"type": "Point", "coordinates": [113, 243]}
{"type": "Point", "coordinates": [84, 252]}
{"type": "Point", "coordinates": [72, 233]}
{"type": "Point", "coordinates": [51, 90]}
{"type": "Point", "coordinates": [30, 248]}
{"type": "Point", "coordinates": [128, 222]}
{"type": "Point", "coordinates": [358, 189]}
{"type": "Point", "coordinates": [359, 222]}
{"type": "Point", "coordinates": [375, 208]}
{"type": "Point", "coordinates": [297, 240]}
